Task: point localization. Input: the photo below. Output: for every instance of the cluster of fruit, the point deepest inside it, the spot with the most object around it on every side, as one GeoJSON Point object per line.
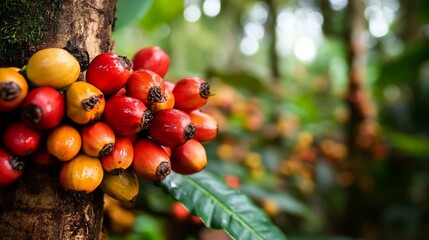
{"type": "Point", "coordinates": [122, 123]}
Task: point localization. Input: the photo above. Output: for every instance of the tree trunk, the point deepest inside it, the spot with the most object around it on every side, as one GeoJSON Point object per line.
{"type": "Point", "coordinates": [36, 207]}
{"type": "Point", "coordinates": [362, 116]}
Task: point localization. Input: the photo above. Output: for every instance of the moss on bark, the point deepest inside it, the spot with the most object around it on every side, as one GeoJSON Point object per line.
{"type": "Point", "coordinates": [20, 30]}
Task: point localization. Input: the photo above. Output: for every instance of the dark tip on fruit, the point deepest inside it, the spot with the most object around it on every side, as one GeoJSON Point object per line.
{"type": "Point", "coordinates": [125, 62]}
{"type": "Point", "coordinates": [89, 103]}
{"type": "Point", "coordinates": [80, 54]}
{"type": "Point", "coordinates": [163, 170]}
{"type": "Point", "coordinates": [190, 131]}
{"type": "Point", "coordinates": [107, 149]}
{"type": "Point", "coordinates": [146, 119]}
{"type": "Point", "coordinates": [155, 94]}
{"type": "Point", "coordinates": [9, 91]}
{"type": "Point", "coordinates": [205, 90]}
{"type": "Point", "coordinates": [117, 171]}
{"type": "Point", "coordinates": [16, 163]}
{"type": "Point", "coordinates": [32, 113]}
{"type": "Point", "coordinates": [164, 98]}
{"type": "Point", "coordinates": [133, 199]}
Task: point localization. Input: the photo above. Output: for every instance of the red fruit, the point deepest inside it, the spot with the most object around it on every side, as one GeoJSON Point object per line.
{"type": "Point", "coordinates": [120, 158]}
{"type": "Point", "coordinates": [152, 58]}
{"type": "Point", "coordinates": [126, 115]}
{"type": "Point", "coordinates": [133, 137]}
{"type": "Point", "coordinates": [171, 127]}
{"type": "Point", "coordinates": [232, 181]}
{"type": "Point", "coordinates": [146, 86]}
{"type": "Point", "coordinates": [97, 139]}
{"type": "Point", "coordinates": [167, 150]}
{"type": "Point", "coordinates": [120, 92]}
{"type": "Point", "coordinates": [205, 125]}
{"type": "Point", "coordinates": [191, 93]}
{"type": "Point", "coordinates": [169, 85]}
{"type": "Point", "coordinates": [21, 139]}
{"type": "Point", "coordinates": [43, 108]}
{"type": "Point", "coordinates": [188, 158]}
{"type": "Point", "coordinates": [43, 157]}
{"type": "Point", "coordinates": [11, 168]}
{"type": "Point", "coordinates": [179, 212]}
{"type": "Point", "coordinates": [150, 162]}
{"type": "Point", "coordinates": [108, 72]}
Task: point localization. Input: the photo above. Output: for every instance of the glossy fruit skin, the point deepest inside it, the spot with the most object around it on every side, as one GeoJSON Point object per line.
{"type": "Point", "coordinates": [21, 139]}
{"type": "Point", "coordinates": [108, 72]}
{"type": "Point", "coordinates": [188, 158]}
{"type": "Point", "coordinates": [64, 142]}
{"type": "Point", "coordinates": [166, 103]}
{"type": "Point", "coordinates": [52, 67]}
{"type": "Point", "coordinates": [82, 173]}
{"type": "Point", "coordinates": [146, 86]}
{"type": "Point", "coordinates": [123, 187]}
{"type": "Point", "coordinates": [126, 115]}
{"type": "Point", "coordinates": [153, 58]}
{"type": "Point", "coordinates": [191, 93]}
{"type": "Point", "coordinates": [150, 162]}
{"type": "Point", "coordinates": [97, 139]}
{"type": "Point", "coordinates": [43, 108]}
{"type": "Point", "coordinates": [13, 89]}
{"type": "Point", "coordinates": [171, 127]}
{"type": "Point", "coordinates": [121, 92]}
{"type": "Point", "coordinates": [169, 85]}
{"type": "Point", "coordinates": [84, 102]}
{"type": "Point", "coordinates": [167, 150]}
{"type": "Point", "coordinates": [120, 158]}
{"type": "Point", "coordinates": [11, 168]}
{"type": "Point", "coordinates": [205, 125]}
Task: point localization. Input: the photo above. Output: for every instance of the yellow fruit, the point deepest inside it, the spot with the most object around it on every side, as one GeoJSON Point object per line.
{"type": "Point", "coordinates": [84, 102]}
{"type": "Point", "coordinates": [82, 173]}
{"type": "Point", "coordinates": [122, 187]}
{"type": "Point", "coordinates": [53, 67]}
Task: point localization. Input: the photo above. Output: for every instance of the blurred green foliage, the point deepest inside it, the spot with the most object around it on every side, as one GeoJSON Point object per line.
{"type": "Point", "coordinates": [285, 139]}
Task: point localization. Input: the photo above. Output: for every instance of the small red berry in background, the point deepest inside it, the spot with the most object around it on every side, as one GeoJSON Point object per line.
{"type": "Point", "coordinates": [152, 58]}
{"type": "Point", "coordinates": [232, 181]}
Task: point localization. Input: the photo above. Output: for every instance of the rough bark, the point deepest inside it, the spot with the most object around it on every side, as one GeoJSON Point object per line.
{"type": "Point", "coordinates": [36, 207]}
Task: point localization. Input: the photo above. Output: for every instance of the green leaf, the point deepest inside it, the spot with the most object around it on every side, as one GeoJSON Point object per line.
{"type": "Point", "coordinates": [410, 144]}
{"type": "Point", "coordinates": [162, 11]}
{"type": "Point", "coordinates": [404, 68]}
{"type": "Point", "coordinates": [286, 202]}
{"type": "Point", "coordinates": [239, 79]}
{"type": "Point", "coordinates": [130, 11]}
{"type": "Point", "coordinates": [221, 207]}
